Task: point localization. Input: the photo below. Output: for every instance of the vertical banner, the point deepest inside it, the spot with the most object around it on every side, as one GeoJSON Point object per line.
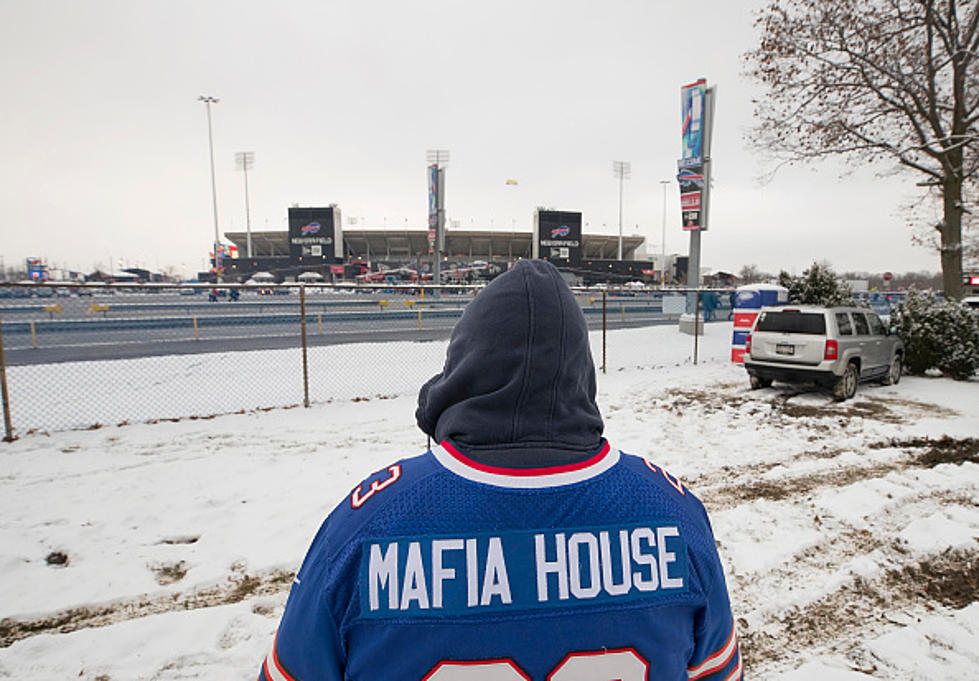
{"type": "Point", "coordinates": [693, 116]}
{"type": "Point", "coordinates": [692, 113]}
{"type": "Point", "coordinates": [433, 207]}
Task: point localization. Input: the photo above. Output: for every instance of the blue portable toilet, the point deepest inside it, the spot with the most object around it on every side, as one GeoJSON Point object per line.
{"type": "Point", "coordinates": [748, 300]}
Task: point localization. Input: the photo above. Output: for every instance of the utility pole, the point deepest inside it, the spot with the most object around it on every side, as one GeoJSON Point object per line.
{"type": "Point", "coordinates": [621, 170]}
{"type": "Point", "coordinates": [208, 100]}
{"type": "Point", "coordinates": [244, 160]}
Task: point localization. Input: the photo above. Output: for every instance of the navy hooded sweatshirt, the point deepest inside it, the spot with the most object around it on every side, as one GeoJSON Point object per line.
{"type": "Point", "coordinates": [518, 385]}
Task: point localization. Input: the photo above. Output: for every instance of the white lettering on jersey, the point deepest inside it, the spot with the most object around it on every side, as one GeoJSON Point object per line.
{"type": "Point", "coordinates": [439, 573]}
{"type": "Point", "coordinates": [495, 581]}
{"type": "Point", "coordinates": [559, 566]}
{"type": "Point", "coordinates": [383, 571]}
{"type": "Point", "coordinates": [415, 586]}
{"type": "Point", "coordinates": [521, 569]}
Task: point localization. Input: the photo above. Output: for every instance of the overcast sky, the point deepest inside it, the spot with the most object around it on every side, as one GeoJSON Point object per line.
{"type": "Point", "coordinates": [105, 151]}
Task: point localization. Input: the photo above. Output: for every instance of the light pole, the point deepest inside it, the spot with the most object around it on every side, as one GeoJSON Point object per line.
{"type": "Point", "coordinates": [662, 272]}
{"type": "Point", "coordinates": [208, 100]}
{"type": "Point", "coordinates": [622, 170]}
{"type": "Point", "coordinates": [243, 161]}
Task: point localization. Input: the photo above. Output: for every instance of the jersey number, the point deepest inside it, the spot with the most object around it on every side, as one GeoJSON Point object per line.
{"type": "Point", "coordinates": [600, 665]}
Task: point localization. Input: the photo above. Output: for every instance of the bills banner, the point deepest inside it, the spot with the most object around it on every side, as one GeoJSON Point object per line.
{"type": "Point", "coordinates": [691, 182]}
{"type": "Point", "coordinates": [692, 115]}
{"type": "Point", "coordinates": [433, 206]}
{"type": "Point", "coordinates": [693, 189]}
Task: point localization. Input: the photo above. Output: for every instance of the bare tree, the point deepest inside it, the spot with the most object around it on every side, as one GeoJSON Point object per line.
{"type": "Point", "coordinates": [750, 274]}
{"type": "Point", "coordinates": [891, 81]}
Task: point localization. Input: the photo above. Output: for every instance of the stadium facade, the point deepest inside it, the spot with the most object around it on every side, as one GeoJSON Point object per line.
{"type": "Point", "coordinates": [315, 242]}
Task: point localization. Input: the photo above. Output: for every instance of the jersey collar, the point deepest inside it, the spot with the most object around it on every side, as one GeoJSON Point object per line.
{"type": "Point", "coordinates": [525, 478]}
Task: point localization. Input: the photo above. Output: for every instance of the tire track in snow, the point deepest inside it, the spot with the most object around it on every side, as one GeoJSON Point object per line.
{"type": "Point", "coordinates": [236, 589]}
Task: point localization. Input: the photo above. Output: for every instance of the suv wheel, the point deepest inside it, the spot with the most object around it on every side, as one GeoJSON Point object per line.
{"type": "Point", "coordinates": [846, 385]}
{"type": "Point", "coordinates": [893, 374]}
{"type": "Point", "coordinates": [759, 382]}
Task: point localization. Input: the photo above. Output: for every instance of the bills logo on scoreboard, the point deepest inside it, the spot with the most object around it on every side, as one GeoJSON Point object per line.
{"type": "Point", "coordinates": [563, 230]}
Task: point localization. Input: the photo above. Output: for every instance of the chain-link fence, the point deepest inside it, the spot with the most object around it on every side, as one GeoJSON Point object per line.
{"type": "Point", "coordinates": [80, 357]}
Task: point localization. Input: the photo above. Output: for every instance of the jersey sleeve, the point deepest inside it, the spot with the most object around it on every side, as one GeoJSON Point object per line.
{"type": "Point", "coordinates": [717, 654]}
{"type": "Point", "coordinates": [307, 645]}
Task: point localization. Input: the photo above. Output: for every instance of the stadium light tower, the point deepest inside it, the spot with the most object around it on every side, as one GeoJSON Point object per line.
{"type": "Point", "coordinates": [244, 160]}
{"type": "Point", "coordinates": [208, 100]}
{"type": "Point", "coordinates": [622, 170]}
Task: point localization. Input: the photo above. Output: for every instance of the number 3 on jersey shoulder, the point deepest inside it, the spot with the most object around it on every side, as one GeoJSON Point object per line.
{"type": "Point", "coordinates": [599, 665]}
{"type": "Point", "coordinates": [357, 499]}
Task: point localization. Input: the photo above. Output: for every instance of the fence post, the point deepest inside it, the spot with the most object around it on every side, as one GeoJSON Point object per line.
{"type": "Point", "coordinates": [33, 335]}
{"type": "Point", "coordinates": [696, 328]}
{"type": "Point", "coordinates": [604, 310]}
{"type": "Point", "coordinates": [7, 427]}
{"type": "Point", "coordinates": [302, 316]}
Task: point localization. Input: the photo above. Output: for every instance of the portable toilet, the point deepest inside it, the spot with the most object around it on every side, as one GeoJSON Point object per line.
{"type": "Point", "coordinates": [748, 301]}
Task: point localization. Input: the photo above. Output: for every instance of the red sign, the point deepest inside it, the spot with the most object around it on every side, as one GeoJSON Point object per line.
{"type": "Point", "coordinates": [690, 201]}
{"type": "Point", "coordinates": [744, 320]}
{"type": "Point", "coordinates": [336, 269]}
{"type": "Point", "coordinates": [888, 276]}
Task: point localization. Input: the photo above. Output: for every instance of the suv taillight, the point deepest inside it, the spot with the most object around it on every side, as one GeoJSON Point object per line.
{"type": "Point", "coordinates": [747, 344]}
{"type": "Point", "coordinates": [832, 350]}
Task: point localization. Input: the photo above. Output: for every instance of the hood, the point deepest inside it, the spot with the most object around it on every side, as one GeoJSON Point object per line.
{"type": "Point", "coordinates": [518, 380]}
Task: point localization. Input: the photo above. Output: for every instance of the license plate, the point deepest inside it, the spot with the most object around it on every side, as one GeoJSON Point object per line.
{"type": "Point", "coordinates": [784, 349]}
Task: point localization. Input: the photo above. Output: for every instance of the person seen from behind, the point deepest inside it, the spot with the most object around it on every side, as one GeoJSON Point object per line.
{"type": "Point", "coordinates": [522, 544]}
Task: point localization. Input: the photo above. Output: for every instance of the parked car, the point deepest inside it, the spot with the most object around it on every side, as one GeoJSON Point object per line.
{"type": "Point", "coordinates": [834, 347]}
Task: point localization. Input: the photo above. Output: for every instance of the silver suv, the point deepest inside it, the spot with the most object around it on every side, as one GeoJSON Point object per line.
{"type": "Point", "coordinates": [835, 347]}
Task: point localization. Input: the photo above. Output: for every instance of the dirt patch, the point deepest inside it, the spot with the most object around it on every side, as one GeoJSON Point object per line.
{"type": "Point", "coordinates": [938, 451]}
{"type": "Point", "coordinates": [945, 450]}
{"type": "Point", "coordinates": [720, 397]}
{"type": "Point", "coordinates": [237, 588]}
{"type": "Point", "coordinates": [950, 578]}
{"type": "Point", "coordinates": [169, 573]}
{"type": "Point", "coordinates": [791, 487]}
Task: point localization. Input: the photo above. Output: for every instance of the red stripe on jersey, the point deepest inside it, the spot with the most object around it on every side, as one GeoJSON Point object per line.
{"type": "Point", "coordinates": [278, 664]}
{"type": "Point", "coordinates": [718, 660]}
{"type": "Point", "coordinates": [526, 472]}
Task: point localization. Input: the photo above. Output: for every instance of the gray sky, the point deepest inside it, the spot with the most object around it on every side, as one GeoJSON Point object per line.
{"type": "Point", "coordinates": [105, 146]}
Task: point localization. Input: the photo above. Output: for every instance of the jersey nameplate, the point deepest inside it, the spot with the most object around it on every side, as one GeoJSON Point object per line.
{"type": "Point", "coordinates": [439, 576]}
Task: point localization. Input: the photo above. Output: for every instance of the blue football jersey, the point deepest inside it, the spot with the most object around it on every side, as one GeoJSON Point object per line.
{"type": "Point", "coordinates": [440, 568]}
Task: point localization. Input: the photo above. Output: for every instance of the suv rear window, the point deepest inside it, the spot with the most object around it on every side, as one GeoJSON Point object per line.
{"type": "Point", "coordinates": [860, 321]}
{"type": "Point", "coordinates": [793, 321]}
{"type": "Point", "coordinates": [843, 322]}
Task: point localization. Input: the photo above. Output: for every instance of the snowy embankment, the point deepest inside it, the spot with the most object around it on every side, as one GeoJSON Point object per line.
{"type": "Point", "coordinates": [849, 532]}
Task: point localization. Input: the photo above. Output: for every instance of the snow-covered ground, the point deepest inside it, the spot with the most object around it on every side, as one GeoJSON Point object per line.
{"type": "Point", "coordinates": [849, 532]}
